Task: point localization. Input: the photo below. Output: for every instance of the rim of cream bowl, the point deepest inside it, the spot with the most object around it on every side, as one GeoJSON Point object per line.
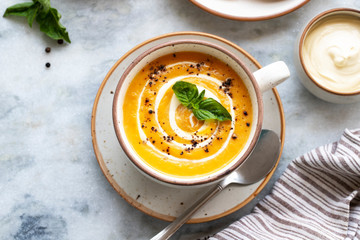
{"type": "Point", "coordinates": [309, 26]}
{"type": "Point", "coordinates": [243, 18]}
{"type": "Point", "coordinates": [167, 47]}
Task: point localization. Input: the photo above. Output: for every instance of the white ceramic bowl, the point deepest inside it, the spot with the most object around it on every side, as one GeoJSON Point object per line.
{"type": "Point", "coordinates": [307, 80]}
{"type": "Point", "coordinates": [256, 83]}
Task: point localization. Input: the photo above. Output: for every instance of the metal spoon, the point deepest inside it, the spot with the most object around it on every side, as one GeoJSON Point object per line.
{"type": "Point", "coordinates": [256, 167]}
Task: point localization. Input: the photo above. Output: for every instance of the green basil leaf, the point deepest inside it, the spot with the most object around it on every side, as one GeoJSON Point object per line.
{"type": "Point", "coordinates": [50, 25]}
{"type": "Point", "coordinates": [195, 102]}
{"type": "Point", "coordinates": [32, 13]}
{"type": "Point", "coordinates": [27, 9]}
{"type": "Point", "coordinates": [18, 9]}
{"type": "Point", "coordinates": [47, 17]}
{"type": "Point", "coordinates": [188, 95]}
{"type": "Point", "coordinates": [202, 114]}
{"type": "Point", "coordinates": [210, 108]}
{"type": "Point", "coordinates": [45, 5]}
{"type": "Point", "coordinates": [186, 92]}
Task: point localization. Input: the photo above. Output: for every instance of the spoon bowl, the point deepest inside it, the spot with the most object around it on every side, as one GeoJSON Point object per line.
{"type": "Point", "coordinates": [261, 161]}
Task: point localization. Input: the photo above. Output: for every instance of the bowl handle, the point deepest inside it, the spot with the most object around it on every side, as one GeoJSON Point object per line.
{"type": "Point", "coordinates": [271, 75]}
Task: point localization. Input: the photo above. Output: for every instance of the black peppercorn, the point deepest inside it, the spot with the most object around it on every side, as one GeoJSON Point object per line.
{"type": "Point", "coordinates": [47, 64]}
{"type": "Point", "coordinates": [48, 49]}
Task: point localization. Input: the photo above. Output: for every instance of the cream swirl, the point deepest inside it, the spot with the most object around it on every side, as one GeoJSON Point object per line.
{"type": "Point", "coordinates": [174, 104]}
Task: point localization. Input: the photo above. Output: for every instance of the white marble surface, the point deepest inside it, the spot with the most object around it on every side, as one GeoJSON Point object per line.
{"type": "Point", "coordinates": [51, 186]}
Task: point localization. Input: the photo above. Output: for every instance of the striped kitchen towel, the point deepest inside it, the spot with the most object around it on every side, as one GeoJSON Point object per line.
{"type": "Point", "coordinates": [317, 197]}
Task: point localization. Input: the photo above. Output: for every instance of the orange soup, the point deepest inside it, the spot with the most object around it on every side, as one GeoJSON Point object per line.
{"type": "Point", "coordinates": [166, 135]}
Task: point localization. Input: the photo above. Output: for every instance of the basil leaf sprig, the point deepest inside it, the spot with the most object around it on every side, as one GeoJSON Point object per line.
{"type": "Point", "coordinates": [46, 16]}
{"type": "Point", "coordinates": [203, 109]}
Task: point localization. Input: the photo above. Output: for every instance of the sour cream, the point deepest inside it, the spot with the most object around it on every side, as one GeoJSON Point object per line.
{"type": "Point", "coordinates": [331, 53]}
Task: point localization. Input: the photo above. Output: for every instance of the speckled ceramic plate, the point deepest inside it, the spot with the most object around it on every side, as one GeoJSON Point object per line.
{"type": "Point", "coordinates": [249, 10]}
{"type": "Point", "coordinates": [146, 195]}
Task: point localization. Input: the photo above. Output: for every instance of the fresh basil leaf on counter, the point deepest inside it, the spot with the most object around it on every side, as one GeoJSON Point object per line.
{"type": "Point", "coordinates": [31, 14]}
{"type": "Point", "coordinates": [19, 9]}
{"type": "Point", "coordinates": [47, 17]}
{"type": "Point", "coordinates": [203, 109]}
{"type": "Point", "coordinates": [49, 24]}
{"type": "Point", "coordinates": [45, 4]}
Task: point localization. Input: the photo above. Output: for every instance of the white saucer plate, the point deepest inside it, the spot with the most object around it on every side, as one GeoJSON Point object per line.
{"type": "Point", "coordinates": [157, 200]}
{"type": "Point", "coordinates": [249, 10]}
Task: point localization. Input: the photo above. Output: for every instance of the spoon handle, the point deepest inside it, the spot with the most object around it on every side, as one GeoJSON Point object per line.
{"type": "Point", "coordinates": [167, 232]}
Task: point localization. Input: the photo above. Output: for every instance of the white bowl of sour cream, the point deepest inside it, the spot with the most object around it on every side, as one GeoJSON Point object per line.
{"type": "Point", "coordinates": [328, 55]}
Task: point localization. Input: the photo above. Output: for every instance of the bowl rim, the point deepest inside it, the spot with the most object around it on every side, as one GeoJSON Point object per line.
{"type": "Point", "coordinates": [186, 181]}
{"type": "Point", "coordinates": [252, 19]}
{"type": "Point", "coordinates": [304, 33]}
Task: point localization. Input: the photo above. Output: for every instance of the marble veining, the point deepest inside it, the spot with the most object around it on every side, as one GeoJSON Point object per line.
{"type": "Point", "coordinates": [31, 220]}
{"type": "Point", "coordinates": [41, 227]}
{"type": "Point", "coordinates": [51, 186]}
